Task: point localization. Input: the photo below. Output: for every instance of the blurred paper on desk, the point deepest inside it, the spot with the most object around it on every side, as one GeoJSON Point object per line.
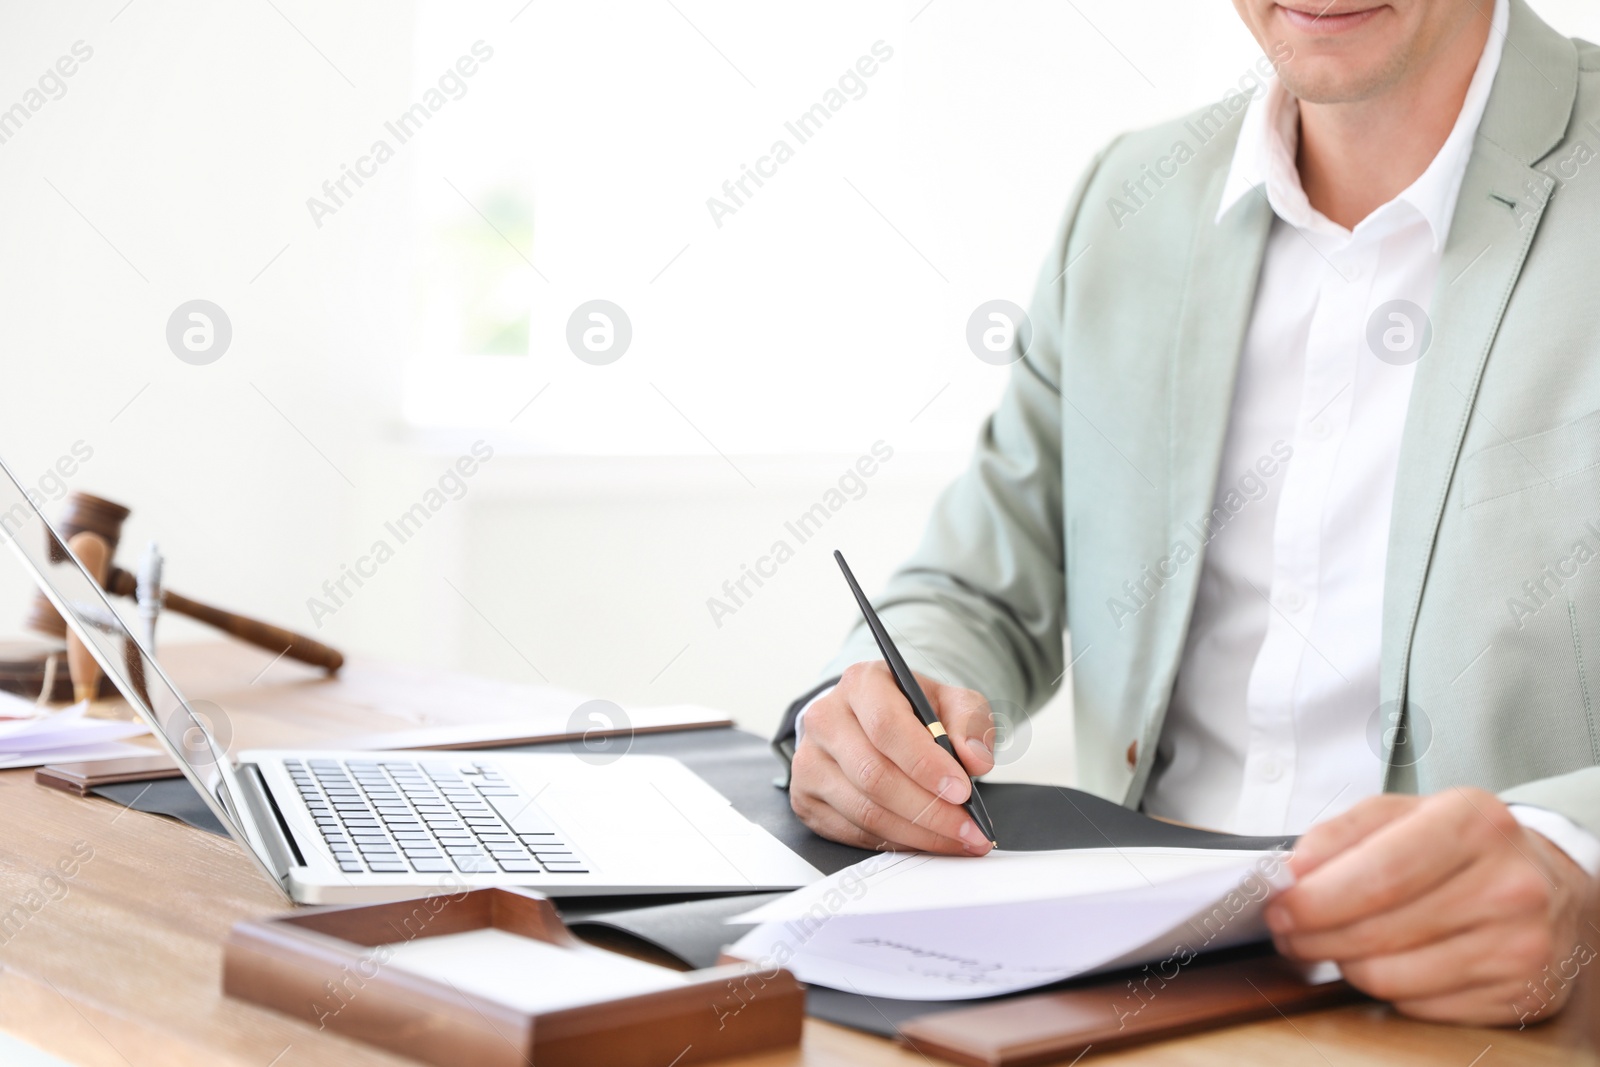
{"type": "Point", "coordinates": [15, 707]}
{"type": "Point", "coordinates": [67, 735]}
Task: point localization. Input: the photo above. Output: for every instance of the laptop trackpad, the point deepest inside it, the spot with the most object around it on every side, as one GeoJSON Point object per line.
{"type": "Point", "coordinates": [653, 825]}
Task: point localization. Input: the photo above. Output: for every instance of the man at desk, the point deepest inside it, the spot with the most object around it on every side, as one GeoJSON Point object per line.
{"type": "Point", "coordinates": [1330, 561]}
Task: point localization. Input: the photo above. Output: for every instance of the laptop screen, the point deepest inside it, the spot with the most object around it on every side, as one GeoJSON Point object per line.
{"type": "Point", "coordinates": [157, 701]}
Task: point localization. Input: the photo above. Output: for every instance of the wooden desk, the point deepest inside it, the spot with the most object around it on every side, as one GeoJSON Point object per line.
{"type": "Point", "coordinates": [124, 967]}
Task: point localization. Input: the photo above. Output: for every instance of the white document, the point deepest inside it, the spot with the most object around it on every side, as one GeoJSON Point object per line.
{"type": "Point", "coordinates": [15, 707]}
{"type": "Point", "coordinates": [10, 761]}
{"type": "Point", "coordinates": [918, 927]}
{"type": "Point", "coordinates": [525, 973]}
{"type": "Point", "coordinates": [67, 736]}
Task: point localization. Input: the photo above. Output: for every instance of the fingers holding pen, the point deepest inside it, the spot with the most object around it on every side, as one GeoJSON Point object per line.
{"type": "Point", "coordinates": [865, 759]}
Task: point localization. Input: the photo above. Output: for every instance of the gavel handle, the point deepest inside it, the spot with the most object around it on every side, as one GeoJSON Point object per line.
{"type": "Point", "coordinates": [262, 634]}
{"type": "Point", "coordinates": [95, 555]}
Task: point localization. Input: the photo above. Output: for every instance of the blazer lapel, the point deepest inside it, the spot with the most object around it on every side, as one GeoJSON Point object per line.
{"type": "Point", "coordinates": [1498, 210]}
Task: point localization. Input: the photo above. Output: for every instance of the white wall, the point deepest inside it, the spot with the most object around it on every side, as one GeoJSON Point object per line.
{"type": "Point", "coordinates": [174, 168]}
{"type": "Point", "coordinates": [177, 166]}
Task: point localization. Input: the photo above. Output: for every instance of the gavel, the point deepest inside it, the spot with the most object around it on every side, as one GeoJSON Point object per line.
{"type": "Point", "coordinates": [92, 527]}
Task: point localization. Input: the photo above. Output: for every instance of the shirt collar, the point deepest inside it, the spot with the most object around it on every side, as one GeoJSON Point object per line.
{"type": "Point", "coordinates": [1269, 138]}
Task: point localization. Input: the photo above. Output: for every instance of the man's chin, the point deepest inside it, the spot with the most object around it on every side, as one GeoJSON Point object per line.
{"type": "Point", "coordinates": [1342, 51]}
{"type": "Point", "coordinates": [1319, 80]}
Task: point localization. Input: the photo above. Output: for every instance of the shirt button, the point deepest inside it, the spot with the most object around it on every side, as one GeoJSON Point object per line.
{"type": "Point", "coordinates": [1271, 769]}
{"type": "Point", "coordinates": [1318, 430]}
{"type": "Point", "coordinates": [1292, 599]}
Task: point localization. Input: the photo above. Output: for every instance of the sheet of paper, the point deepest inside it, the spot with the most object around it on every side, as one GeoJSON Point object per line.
{"type": "Point", "coordinates": [10, 761]}
{"type": "Point", "coordinates": [69, 726]}
{"type": "Point", "coordinates": [15, 707]}
{"type": "Point", "coordinates": [38, 716]}
{"type": "Point", "coordinates": [530, 975]}
{"type": "Point", "coordinates": [932, 931]}
{"type": "Point", "coordinates": [68, 735]}
{"type": "Point", "coordinates": [906, 881]}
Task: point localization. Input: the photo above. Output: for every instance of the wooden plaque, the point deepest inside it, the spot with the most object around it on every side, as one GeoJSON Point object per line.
{"type": "Point", "coordinates": [1058, 1027]}
{"type": "Point", "coordinates": [492, 977]}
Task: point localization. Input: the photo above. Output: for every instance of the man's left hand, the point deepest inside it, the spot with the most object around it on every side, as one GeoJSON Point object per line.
{"type": "Point", "coordinates": [1443, 905]}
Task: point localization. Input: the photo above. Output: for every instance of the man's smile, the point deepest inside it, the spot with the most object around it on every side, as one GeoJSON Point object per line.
{"type": "Point", "coordinates": [1328, 19]}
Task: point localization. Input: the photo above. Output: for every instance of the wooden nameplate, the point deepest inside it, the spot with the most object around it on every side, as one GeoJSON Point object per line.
{"type": "Point", "coordinates": [79, 778]}
{"type": "Point", "coordinates": [1156, 1003]}
{"type": "Point", "coordinates": [492, 977]}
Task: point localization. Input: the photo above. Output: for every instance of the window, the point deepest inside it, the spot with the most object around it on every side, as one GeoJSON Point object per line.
{"type": "Point", "coordinates": [797, 207]}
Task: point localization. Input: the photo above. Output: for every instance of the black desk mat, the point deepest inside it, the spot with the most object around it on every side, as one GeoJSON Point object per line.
{"type": "Point", "coordinates": [742, 767]}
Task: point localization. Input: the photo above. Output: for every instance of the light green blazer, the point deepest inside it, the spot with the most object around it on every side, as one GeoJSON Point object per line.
{"type": "Point", "coordinates": [1107, 444]}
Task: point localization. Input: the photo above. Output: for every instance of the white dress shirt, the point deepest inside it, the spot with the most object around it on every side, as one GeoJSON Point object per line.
{"type": "Point", "coordinates": [1275, 714]}
{"type": "Point", "coordinates": [1275, 721]}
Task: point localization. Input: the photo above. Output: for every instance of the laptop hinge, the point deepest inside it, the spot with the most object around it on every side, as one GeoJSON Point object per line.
{"type": "Point", "coordinates": [269, 817]}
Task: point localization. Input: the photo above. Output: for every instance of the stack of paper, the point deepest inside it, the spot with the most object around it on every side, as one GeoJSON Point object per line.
{"type": "Point", "coordinates": [918, 927]}
{"type": "Point", "coordinates": [67, 736]}
{"type": "Point", "coordinates": [14, 707]}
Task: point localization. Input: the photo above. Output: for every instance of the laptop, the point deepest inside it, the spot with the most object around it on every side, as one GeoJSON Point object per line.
{"type": "Point", "coordinates": [336, 826]}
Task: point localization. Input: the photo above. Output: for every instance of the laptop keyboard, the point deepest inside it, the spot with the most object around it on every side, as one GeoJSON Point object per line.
{"type": "Point", "coordinates": [397, 816]}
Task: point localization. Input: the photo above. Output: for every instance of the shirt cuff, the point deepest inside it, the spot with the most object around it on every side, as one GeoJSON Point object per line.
{"type": "Point", "coordinates": [800, 718]}
{"type": "Point", "coordinates": [1581, 845]}
{"type": "Point", "coordinates": [784, 742]}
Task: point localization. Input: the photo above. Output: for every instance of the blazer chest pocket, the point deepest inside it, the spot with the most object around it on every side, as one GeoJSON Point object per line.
{"type": "Point", "coordinates": [1539, 459]}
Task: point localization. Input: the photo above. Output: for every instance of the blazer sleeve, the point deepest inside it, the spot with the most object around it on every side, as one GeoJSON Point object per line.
{"type": "Point", "coordinates": [1575, 794]}
{"type": "Point", "coordinates": [982, 601]}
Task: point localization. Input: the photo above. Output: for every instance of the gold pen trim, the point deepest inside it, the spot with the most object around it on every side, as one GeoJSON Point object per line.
{"type": "Point", "coordinates": [937, 730]}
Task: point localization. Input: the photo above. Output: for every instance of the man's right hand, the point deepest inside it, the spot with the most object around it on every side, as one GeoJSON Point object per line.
{"type": "Point", "coordinates": [866, 772]}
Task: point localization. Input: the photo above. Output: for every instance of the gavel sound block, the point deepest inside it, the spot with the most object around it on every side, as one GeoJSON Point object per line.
{"type": "Point", "coordinates": [85, 513]}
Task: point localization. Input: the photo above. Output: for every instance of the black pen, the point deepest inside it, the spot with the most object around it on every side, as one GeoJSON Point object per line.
{"type": "Point", "coordinates": [914, 695]}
